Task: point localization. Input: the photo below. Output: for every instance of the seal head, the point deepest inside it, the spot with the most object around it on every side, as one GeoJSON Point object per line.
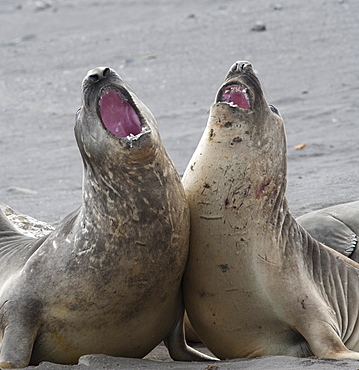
{"type": "Point", "coordinates": [109, 103]}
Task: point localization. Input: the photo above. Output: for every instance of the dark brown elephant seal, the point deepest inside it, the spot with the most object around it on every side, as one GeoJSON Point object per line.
{"type": "Point", "coordinates": [336, 226]}
{"type": "Point", "coordinates": [108, 278]}
{"type": "Point", "coordinates": [256, 282]}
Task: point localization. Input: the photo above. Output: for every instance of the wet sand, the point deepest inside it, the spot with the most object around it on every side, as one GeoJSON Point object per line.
{"type": "Point", "coordinates": [175, 55]}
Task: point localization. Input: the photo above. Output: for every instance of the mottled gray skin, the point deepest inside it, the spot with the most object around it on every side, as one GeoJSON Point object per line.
{"type": "Point", "coordinates": [256, 282]}
{"type": "Point", "coordinates": [108, 278]}
{"type": "Point", "coordinates": [27, 225]}
{"type": "Point", "coordinates": [336, 226]}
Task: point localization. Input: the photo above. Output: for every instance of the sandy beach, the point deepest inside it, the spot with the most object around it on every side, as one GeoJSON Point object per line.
{"type": "Point", "coordinates": [175, 54]}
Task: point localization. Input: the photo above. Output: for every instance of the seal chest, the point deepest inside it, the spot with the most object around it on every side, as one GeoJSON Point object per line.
{"type": "Point", "coordinates": [249, 285]}
{"type": "Point", "coordinates": [108, 278]}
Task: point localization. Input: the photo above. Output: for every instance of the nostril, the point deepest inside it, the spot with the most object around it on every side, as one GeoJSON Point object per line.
{"type": "Point", "coordinates": [240, 67]}
{"type": "Point", "coordinates": [106, 72]}
{"type": "Point", "coordinates": [245, 66]}
{"type": "Point", "coordinates": [94, 77]}
{"type": "Point", "coordinates": [234, 67]}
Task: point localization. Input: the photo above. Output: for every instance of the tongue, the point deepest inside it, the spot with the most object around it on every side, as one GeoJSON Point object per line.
{"type": "Point", "coordinates": [117, 114]}
{"type": "Point", "coordinates": [236, 96]}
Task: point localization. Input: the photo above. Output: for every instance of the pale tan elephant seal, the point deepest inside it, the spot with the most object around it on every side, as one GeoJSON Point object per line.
{"type": "Point", "coordinates": [256, 282]}
{"type": "Point", "coordinates": [108, 278]}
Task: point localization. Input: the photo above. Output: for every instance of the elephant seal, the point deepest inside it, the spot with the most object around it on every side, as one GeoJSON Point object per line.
{"type": "Point", "coordinates": [108, 278]}
{"type": "Point", "coordinates": [256, 283]}
{"type": "Point", "coordinates": [336, 226]}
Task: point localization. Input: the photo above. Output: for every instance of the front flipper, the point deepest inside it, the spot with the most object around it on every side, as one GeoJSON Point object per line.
{"type": "Point", "coordinates": [325, 342]}
{"type": "Point", "coordinates": [19, 332]}
{"type": "Point", "coordinates": [16, 347]}
{"type": "Point", "coordinates": [330, 231]}
{"type": "Point", "coordinates": [178, 348]}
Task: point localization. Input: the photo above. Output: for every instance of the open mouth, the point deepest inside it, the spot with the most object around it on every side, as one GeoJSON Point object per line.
{"type": "Point", "coordinates": [118, 115]}
{"type": "Point", "coordinates": [235, 95]}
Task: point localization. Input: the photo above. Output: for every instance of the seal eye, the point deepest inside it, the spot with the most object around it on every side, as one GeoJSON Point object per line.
{"type": "Point", "coordinates": [274, 109]}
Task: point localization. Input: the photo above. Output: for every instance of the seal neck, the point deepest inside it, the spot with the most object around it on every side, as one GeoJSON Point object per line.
{"type": "Point", "coordinates": [241, 166]}
{"type": "Point", "coordinates": [124, 189]}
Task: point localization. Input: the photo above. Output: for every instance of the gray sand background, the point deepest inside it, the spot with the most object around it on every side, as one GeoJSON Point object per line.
{"type": "Point", "coordinates": [175, 54]}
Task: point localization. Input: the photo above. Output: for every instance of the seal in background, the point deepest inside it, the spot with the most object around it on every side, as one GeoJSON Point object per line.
{"type": "Point", "coordinates": [336, 226]}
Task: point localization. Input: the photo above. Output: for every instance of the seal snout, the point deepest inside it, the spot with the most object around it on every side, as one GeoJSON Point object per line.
{"type": "Point", "coordinates": [106, 95]}
{"type": "Point", "coordinates": [240, 67]}
{"type": "Point", "coordinates": [235, 91]}
{"type": "Point", "coordinates": [99, 73]}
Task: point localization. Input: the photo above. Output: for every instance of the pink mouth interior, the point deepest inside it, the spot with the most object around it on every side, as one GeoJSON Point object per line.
{"type": "Point", "coordinates": [117, 114]}
{"type": "Point", "coordinates": [237, 95]}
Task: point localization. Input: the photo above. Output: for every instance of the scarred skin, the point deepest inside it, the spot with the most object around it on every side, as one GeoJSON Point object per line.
{"type": "Point", "coordinates": [108, 278]}
{"type": "Point", "coordinates": [256, 282]}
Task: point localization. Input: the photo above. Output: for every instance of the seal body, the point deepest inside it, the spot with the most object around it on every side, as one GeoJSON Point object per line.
{"type": "Point", "coordinates": [108, 278]}
{"type": "Point", "coordinates": [256, 283]}
{"type": "Point", "coordinates": [336, 226]}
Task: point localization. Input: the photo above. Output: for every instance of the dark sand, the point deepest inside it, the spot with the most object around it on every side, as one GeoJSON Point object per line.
{"type": "Point", "coordinates": [175, 54]}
